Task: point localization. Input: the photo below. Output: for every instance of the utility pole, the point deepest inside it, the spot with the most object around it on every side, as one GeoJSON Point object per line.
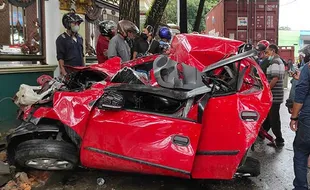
{"type": "Point", "coordinates": [183, 16]}
{"type": "Point", "coordinates": [178, 13]}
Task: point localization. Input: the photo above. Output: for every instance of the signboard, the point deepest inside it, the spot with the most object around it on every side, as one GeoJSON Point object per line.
{"type": "Point", "coordinates": [242, 21]}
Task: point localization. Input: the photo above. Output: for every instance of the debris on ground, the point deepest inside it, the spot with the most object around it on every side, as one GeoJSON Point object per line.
{"type": "Point", "coordinates": [100, 181]}
{"type": "Point", "coordinates": [22, 181]}
{"type": "Point", "coordinates": [40, 176]}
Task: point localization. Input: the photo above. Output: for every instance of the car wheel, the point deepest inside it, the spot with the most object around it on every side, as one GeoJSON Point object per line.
{"type": "Point", "coordinates": [46, 155]}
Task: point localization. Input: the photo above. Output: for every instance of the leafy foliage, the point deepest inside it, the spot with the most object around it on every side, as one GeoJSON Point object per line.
{"type": "Point", "coordinates": [170, 14]}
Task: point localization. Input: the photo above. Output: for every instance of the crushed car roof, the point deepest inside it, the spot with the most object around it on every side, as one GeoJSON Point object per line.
{"type": "Point", "coordinates": [202, 50]}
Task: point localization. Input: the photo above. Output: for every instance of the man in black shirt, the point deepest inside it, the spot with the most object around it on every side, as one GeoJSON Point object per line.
{"type": "Point", "coordinates": [69, 45]}
{"type": "Point", "coordinates": [145, 44]}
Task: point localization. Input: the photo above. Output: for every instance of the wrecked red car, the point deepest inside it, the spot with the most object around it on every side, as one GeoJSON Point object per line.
{"type": "Point", "coordinates": [192, 114]}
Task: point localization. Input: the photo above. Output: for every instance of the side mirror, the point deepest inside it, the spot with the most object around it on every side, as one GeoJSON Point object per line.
{"type": "Point", "coordinates": [111, 100]}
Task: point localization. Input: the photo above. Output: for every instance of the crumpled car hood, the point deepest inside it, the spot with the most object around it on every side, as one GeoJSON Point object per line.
{"type": "Point", "coordinates": [192, 49]}
{"type": "Point", "coordinates": [202, 50]}
{"type": "Point", "coordinates": [110, 67]}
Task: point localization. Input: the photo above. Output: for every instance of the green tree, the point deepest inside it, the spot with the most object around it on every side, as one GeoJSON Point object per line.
{"type": "Point", "coordinates": [155, 14]}
{"type": "Point", "coordinates": [170, 14]}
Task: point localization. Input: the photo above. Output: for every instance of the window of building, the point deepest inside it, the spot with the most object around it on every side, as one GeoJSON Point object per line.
{"type": "Point", "coordinates": [21, 36]}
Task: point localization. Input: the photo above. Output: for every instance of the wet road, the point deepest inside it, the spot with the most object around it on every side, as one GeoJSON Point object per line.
{"type": "Point", "coordinates": [276, 173]}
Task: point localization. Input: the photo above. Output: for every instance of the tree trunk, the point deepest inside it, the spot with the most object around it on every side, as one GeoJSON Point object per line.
{"type": "Point", "coordinates": [183, 16]}
{"type": "Point", "coordinates": [156, 13]}
{"type": "Point", "coordinates": [129, 10]}
{"type": "Point", "coordinates": [199, 15]}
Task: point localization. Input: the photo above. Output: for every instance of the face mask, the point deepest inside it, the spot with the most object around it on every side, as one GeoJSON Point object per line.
{"type": "Point", "coordinates": [75, 28]}
{"type": "Point", "coordinates": [143, 36]}
{"type": "Point", "coordinates": [270, 58]}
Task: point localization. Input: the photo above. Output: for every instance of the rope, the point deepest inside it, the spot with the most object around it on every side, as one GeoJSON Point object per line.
{"type": "Point", "coordinates": [6, 98]}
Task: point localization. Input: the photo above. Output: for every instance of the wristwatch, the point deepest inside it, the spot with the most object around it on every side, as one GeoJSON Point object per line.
{"type": "Point", "coordinates": [294, 118]}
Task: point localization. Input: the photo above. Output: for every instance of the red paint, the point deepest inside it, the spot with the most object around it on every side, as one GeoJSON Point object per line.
{"type": "Point", "coordinates": [140, 136]}
{"type": "Point", "coordinates": [262, 20]}
{"type": "Point", "coordinates": [110, 67]}
{"type": "Point", "coordinates": [139, 61]}
{"type": "Point", "coordinates": [200, 50]}
{"type": "Point", "coordinates": [71, 108]}
{"type": "Point", "coordinates": [224, 130]}
{"type": "Point", "coordinates": [147, 137]}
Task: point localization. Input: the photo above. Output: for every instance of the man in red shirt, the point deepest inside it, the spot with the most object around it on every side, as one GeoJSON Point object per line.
{"type": "Point", "coordinates": [107, 29]}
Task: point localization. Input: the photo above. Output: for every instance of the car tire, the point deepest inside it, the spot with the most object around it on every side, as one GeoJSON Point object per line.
{"type": "Point", "coordinates": [47, 155]}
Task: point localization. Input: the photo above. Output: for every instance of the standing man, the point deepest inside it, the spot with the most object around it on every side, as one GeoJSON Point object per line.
{"type": "Point", "coordinates": [262, 59]}
{"type": "Point", "coordinates": [290, 65]}
{"type": "Point", "coordinates": [69, 45]}
{"type": "Point", "coordinates": [118, 45]}
{"type": "Point", "coordinates": [107, 29]}
{"type": "Point", "coordinates": [145, 44]}
{"type": "Point", "coordinates": [300, 123]}
{"type": "Point", "coordinates": [275, 75]}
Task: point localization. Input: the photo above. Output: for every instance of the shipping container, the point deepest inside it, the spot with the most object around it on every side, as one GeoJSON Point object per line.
{"type": "Point", "coordinates": [245, 20]}
{"type": "Point", "coordinates": [287, 52]}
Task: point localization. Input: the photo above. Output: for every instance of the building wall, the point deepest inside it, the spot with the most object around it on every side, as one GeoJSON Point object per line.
{"type": "Point", "coordinates": [304, 38]}
{"type": "Point", "coordinates": [53, 28]}
{"type": "Point", "coordinates": [290, 38]}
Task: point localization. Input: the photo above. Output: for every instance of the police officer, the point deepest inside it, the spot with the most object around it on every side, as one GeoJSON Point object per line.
{"type": "Point", "coordinates": [118, 45]}
{"type": "Point", "coordinates": [107, 29]}
{"type": "Point", "coordinates": [69, 45]}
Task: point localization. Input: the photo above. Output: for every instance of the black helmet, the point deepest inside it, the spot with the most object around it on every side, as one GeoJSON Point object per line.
{"type": "Point", "coordinates": [125, 26]}
{"type": "Point", "coordinates": [69, 18]}
{"type": "Point", "coordinates": [107, 28]}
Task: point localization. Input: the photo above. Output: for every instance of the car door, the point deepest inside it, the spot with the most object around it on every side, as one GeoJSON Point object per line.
{"type": "Point", "coordinates": [231, 124]}
{"type": "Point", "coordinates": [144, 142]}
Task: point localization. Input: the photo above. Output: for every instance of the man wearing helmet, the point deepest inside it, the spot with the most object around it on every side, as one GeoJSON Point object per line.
{"type": "Point", "coordinates": [145, 44]}
{"type": "Point", "coordinates": [262, 60]}
{"type": "Point", "coordinates": [118, 45]}
{"type": "Point", "coordinates": [165, 37]}
{"type": "Point", "coordinates": [107, 29]}
{"type": "Point", "coordinates": [69, 45]}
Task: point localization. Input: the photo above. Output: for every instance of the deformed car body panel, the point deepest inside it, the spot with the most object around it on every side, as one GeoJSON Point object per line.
{"type": "Point", "coordinates": [201, 50]}
{"type": "Point", "coordinates": [225, 136]}
{"type": "Point", "coordinates": [147, 138]}
{"type": "Point", "coordinates": [208, 143]}
{"type": "Point", "coordinates": [72, 108]}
